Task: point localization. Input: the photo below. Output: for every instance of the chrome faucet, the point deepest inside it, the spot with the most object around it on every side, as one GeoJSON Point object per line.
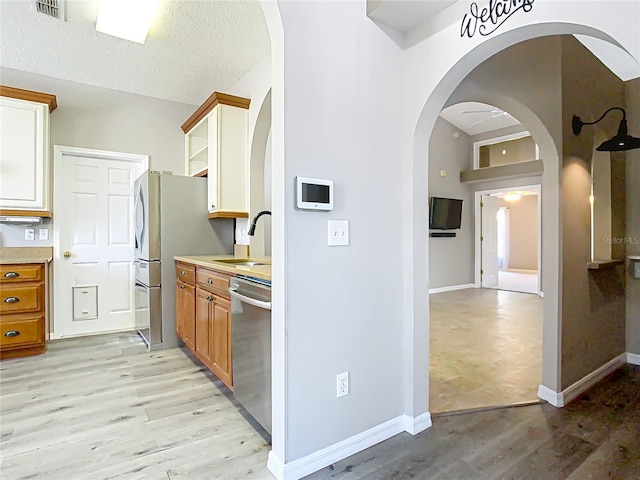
{"type": "Point", "coordinates": [252, 228]}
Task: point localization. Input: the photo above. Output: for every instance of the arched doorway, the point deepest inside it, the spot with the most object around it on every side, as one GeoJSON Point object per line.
{"type": "Point", "coordinates": [418, 329]}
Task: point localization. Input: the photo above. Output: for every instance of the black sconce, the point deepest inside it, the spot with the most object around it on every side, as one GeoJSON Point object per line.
{"type": "Point", "coordinates": [618, 143]}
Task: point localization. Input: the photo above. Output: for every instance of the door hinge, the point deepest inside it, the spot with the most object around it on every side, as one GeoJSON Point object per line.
{"type": "Point", "coordinates": [482, 239]}
{"type": "Point", "coordinates": [481, 204]}
{"type": "Point", "coordinates": [481, 272]}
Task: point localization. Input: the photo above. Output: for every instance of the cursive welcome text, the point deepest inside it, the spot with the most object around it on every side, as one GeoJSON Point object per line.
{"type": "Point", "coordinates": [485, 21]}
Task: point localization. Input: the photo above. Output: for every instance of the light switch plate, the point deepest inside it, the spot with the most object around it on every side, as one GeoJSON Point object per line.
{"type": "Point", "coordinates": [43, 234]}
{"type": "Point", "coordinates": [338, 233]}
{"type": "Point", "coordinates": [29, 234]}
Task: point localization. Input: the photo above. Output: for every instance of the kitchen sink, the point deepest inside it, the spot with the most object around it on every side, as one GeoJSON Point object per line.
{"type": "Point", "coordinates": [242, 262]}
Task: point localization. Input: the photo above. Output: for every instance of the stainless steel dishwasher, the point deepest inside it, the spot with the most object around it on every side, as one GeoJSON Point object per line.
{"type": "Point", "coordinates": [251, 346]}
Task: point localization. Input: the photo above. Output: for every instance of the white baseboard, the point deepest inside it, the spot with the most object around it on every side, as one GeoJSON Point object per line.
{"type": "Point", "coordinates": [570, 393]}
{"type": "Point", "coordinates": [452, 288]}
{"type": "Point", "coordinates": [313, 462]}
{"type": "Point", "coordinates": [415, 425]}
{"type": "Point", "coordinates": [550, 396]}
{"type": "Point", "coordinates": [633, 358]}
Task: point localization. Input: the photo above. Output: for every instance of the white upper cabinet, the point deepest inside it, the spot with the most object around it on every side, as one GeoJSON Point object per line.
{"type": "Point", "coordinates": [24, 152]}
{"type": "Point", "coordinates": [216, 139]}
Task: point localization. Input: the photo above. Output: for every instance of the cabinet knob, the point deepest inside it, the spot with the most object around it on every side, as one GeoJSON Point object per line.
{"type": "Point", "coordinates": [12, 333]}
{"type": "Point", "coordinates": [11, 275]}
{"type": "Point", "coordinates": [11, 300]}
{"type": "Point", "coordinates": [182, 272]}
{"type": "Point", "coordinates": [67, 254]}
{"type": "Point", "coordinates": [209, 281]}
{"type": "Point", "coordinates": [209, 298]}
{"type": "Point", "coordinates": [182, 287]}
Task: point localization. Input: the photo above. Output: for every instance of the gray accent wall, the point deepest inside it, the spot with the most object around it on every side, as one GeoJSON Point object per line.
{"type": "Point", "coordinates": [632, 94]}
{"type": "Point", "coordinates": [451, 260]}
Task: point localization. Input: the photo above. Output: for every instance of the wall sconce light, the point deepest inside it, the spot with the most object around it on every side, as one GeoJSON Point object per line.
{"type": "Point", "coordinates": [618, 143]}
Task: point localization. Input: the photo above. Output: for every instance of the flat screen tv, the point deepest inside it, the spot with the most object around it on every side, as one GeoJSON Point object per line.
{"type": "Point", "coordinates": [445, 213]}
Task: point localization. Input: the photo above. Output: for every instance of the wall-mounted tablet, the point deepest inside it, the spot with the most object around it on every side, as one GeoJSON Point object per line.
{"type": "Point", "coordinates": [314, 193]}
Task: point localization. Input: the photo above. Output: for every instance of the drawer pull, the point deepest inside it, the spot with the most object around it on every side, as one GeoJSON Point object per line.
{"type": "Point", "coordinates": [11, 275]}
{"type": "Point", "coordinates": [209, 281]}
{"type": "Point", "coordinates": [11, 300]}
{"type": "Point", "coordinates": [12, 333]}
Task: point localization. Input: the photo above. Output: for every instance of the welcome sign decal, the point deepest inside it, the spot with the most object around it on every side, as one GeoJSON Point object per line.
{"type": "Point", "coordinates": [485, 21]}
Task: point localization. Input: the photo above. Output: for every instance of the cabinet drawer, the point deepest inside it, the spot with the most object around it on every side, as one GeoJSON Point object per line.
{"type": "Point", "coordinates": [186, 273]}
{"type": "Point", "coordinates": [22, 333]}
{"type": "Point", "coordinates": [21, 273]}
{"type": "Point", "coordinates": [22, 298]}
{"type": "Point", "coordinates": [213, 281]}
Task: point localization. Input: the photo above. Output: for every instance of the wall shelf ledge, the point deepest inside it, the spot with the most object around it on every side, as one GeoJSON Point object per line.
{"type": "Point", "coordinates": [602, 264]}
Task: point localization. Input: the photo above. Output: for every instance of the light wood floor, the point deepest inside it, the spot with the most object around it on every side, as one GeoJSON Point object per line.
{"type": "Point", "coordinates": [486, 348]}
{"type": "Point", "coordinates": [103, 407]}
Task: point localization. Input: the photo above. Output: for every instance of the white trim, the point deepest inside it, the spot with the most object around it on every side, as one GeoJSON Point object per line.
{"type": "Point", "coordinates": [478, 229]}
{"type": "Point", "coordinates": [315, 461]}
{"type": "Point", "coordinates": [451, 288]}
{"type": "Point", "coordinates": [633, 358]}
{"type": "Point", "coordinates": [59, 152]}
{"type": "Point", "coordinates": [415, 425]}
{"type": "Point", "coordinates": [572, 392]}
{"type": "Point", "coordinates": [551, 396]}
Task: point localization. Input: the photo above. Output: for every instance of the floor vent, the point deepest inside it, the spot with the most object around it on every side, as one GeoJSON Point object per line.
{"type": "Point", "coordinates": [51, 8]}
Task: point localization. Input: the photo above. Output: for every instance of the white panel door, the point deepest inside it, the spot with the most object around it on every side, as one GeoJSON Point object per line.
{"type": "Point", "coordinates": [94, 240]}
{"type": "Point", "coordinates": [489, 213]}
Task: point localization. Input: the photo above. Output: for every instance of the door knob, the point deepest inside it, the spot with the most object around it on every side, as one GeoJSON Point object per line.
{"type": "Point", "coordinates": [67, 254]}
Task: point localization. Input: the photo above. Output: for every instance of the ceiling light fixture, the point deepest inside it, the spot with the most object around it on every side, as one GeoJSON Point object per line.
{"type": "Point", "coordinates": [620, 142]}
{"type": "Point", "coordinates": [128, 19]}
{"type": "Point", "coordinates": [512, 197]}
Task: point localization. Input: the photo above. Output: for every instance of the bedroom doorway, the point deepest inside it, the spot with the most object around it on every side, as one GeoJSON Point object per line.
{"type": "Point", "coordinates": [509, 239]}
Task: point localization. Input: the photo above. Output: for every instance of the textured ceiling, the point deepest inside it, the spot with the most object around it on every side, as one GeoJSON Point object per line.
{"type": "Point", "coordinates": [193, 47]}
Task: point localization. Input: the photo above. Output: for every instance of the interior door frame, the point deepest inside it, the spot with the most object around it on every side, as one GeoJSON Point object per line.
{"type": "Point", "coordinates": [478, 229]}
{"type": "Point", "coordinates": [59, 153]}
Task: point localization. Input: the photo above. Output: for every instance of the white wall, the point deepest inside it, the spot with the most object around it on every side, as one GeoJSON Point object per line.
{"type": "Point", "coordinates": [344, 305]}
{"type": "Point", "coordinates": [451, 260]}
{"type": "Point", "coordinates": [98, 118]}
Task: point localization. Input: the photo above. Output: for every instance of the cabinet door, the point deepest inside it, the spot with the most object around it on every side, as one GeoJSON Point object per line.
{"type": "Point", "coordinates": [186, 314]}
{"type": "Point", "coordinates": [24, 153]}
{"type": "Point", "coordinates": [221, 354]}
{"type": "Point", "coordinates": [204, 314]}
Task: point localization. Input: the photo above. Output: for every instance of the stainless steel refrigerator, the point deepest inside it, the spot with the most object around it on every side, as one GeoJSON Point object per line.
{"type": "Point", "coordinates": [170, 218]}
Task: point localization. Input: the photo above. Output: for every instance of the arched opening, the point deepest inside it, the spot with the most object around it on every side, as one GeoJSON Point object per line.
{"type": "Point", "coordinates": [547, 138]}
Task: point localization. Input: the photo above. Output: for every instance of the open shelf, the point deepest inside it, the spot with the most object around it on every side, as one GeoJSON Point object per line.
{"type": "Point", "coordinates": [602, 264]}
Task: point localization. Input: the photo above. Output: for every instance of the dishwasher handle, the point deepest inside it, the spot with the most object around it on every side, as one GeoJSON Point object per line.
{"type": "Point", "coordinates": [251, 301]}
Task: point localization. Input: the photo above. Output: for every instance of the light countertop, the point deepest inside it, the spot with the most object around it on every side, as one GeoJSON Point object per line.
{"type": "Point", "coordinates": [9, 255]}
{"type": "Point", "coordinates": [211, 261]}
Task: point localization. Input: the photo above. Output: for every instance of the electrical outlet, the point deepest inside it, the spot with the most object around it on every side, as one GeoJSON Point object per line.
{"type": "Point", "coordinates": [29, 234]}
{"type": "Point", "coordinates": [43, 234]}
{"type": "Point", "coordinates": [338, 232]}
{"type": "Point", "coordinates": [342, 384]}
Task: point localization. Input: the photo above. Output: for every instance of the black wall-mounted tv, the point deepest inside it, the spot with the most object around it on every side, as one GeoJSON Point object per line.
{"type": "Point", "coordinates": [445, 213]}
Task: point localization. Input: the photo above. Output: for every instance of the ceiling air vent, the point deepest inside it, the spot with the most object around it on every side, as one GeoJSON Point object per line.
{"type": "Point", "coordinates": [51, 8]}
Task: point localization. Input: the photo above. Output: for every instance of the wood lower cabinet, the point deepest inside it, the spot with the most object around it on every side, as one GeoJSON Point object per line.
{"type": "Point", "coordinates": [186, 313]}
{"type": "Point", "coordinates": [221, 351]}
{"type": "Point", "coordinates": [203, 318]}
{"type": "Point", "coordinates": [23, 316]}
{"type": "Point", "coordinates": [204, 330]}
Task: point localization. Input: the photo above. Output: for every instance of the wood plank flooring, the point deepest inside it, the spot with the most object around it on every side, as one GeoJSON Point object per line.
{"type": "Point", "coordinates": [595, 437]}
{"type": "Point", "coordinates": [486, 348]}
{"type": "Point", "coordinates": [103, 407]}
